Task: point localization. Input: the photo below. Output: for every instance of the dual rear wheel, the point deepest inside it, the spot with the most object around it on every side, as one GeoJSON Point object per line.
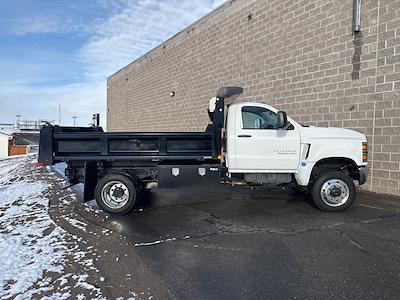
{"type": "Point", "coordinates": [117, 193]}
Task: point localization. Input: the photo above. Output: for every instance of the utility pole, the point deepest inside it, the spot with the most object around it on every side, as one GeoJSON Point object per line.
{"type": "Point", "coordinates": [59, 114]}
{"type": "Point", "coordinates": [18, 116]}
{"type": "Point", "coordinates": [74, 117]}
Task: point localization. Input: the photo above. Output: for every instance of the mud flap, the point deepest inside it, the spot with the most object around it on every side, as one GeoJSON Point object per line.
{"type": "Point", "coordinates": [90, 182]}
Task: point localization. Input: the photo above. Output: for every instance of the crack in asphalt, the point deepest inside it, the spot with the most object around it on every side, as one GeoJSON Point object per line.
{"type": "Point", "coordinates": [230, 228]}
{"type": "Point", "coordinates": [352, 241]}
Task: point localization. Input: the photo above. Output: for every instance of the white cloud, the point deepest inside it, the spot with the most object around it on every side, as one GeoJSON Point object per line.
{"type": "Point", "coordinates": [56, 24]}
{"type": "Point", "coordinates": [25, 26]}
{"type": "Point", "coordinates": [55, 17]}
{"type": "Point", "coordinates": [136, 28]}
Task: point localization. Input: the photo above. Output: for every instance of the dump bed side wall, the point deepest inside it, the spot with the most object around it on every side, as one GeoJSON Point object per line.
{"type": "Point", "coordinates": [57, 144]}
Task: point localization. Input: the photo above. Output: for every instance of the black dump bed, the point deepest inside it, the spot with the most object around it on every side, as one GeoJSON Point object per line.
{"type": "Point", "coordinates": [59, 144]}
{"type": "Point", "coordinates": [92, 144]}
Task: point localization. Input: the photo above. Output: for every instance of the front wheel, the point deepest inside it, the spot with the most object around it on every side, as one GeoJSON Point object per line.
{"type": "Point", "coordinates": [116, 194]}
{"type": "Point", "coordinates": [333, 191]}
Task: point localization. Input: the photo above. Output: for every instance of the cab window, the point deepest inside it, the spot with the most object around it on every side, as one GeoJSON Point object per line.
{"type": "Point", "coordinates": [255, 117]}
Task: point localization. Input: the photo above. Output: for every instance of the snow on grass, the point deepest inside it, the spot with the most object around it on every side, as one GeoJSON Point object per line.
{"type": "Point", "coordinates": [26, 251]}
{"type": "Point", "coordinates": [31, 244]}
{"type": "Point", "coordinates": [8, 167]}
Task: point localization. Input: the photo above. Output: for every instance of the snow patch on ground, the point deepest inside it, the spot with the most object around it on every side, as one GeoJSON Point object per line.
{"type": "Point", "coordinates": [24, 222]}
{"type": "Point", "coordinates": [8, 167]}
{"type": "Point", "coordinates": [26, 251]}
{"type": "Point", "coordinates": [31, 244]}
{"type": "Point", "coordinates": [78, 224]}
{"type": "Point", "coordinates": [60, 169]}
{"type": "Point", "coordinates": [161, 241]}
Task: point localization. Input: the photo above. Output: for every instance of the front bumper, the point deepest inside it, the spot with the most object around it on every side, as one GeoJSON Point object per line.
{"type": "Point", "coordinates": [363, 174]}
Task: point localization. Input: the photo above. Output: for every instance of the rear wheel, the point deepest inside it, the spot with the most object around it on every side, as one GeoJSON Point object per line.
{"type": "Point", "coordinates": [334, 191]}
{"type": "Point", "coordinates": [116, 194]}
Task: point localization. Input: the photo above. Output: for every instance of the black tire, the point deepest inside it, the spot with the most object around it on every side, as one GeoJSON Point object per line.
{"type": "Point", "coordinates": [333, 191]}
{"type": "Point", "coordinates": [125, 185]}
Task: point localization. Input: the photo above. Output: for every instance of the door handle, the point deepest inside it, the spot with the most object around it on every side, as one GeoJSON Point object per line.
{"type": "Point", "coordinates": [244, 135]}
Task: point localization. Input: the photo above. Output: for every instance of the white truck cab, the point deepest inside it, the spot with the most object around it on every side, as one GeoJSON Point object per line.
{"type": "Point", "coordinates": [262, 145]}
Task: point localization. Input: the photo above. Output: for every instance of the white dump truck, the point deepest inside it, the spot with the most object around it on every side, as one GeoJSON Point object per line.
{"type": "Point", "coordinates": [248, 144]}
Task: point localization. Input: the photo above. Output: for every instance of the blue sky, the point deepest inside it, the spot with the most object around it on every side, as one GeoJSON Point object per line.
{"type": "Point", "coordinates": [61, 51]}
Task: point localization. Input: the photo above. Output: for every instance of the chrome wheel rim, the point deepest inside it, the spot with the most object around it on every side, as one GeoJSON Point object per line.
{"type": "Point", "coordinates": [115, 194]}
{"type": "Point", "coordinates": [335, 192]}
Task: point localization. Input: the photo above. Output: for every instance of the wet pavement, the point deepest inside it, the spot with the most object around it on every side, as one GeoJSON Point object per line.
{"type": "Point", "coordinates": [240, 244]}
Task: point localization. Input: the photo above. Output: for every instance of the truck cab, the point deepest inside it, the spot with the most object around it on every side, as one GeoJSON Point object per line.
{"type": "Point", "coordinates": [263, 146]}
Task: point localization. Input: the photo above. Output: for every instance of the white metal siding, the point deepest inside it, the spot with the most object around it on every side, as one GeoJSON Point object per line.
{"type": "Point", "coordinates": [3, 145]}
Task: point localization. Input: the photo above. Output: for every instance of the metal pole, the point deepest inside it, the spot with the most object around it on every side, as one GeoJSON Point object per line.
{"type": "Point", "coordinates": [356, 15]}
{"type": "Point", "coordinates": [59, 114]}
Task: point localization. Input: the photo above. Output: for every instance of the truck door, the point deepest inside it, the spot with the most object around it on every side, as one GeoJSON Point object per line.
{"type": "Point", "coordinates": [260, 145]}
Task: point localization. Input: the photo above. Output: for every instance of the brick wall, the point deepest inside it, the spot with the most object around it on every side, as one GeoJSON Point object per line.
{"type": "Point", "coordinates": [297, 55]}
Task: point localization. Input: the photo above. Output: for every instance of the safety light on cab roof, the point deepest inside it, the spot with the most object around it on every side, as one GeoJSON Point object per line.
{"type": "Point", "coordinates": [365, 152]}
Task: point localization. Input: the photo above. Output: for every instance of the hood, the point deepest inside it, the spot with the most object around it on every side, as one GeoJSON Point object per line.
{"type": "Point", "coordinates": [320, 133]}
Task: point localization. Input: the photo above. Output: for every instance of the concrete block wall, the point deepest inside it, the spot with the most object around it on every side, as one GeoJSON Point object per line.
{"type": "Point", "coordinates": [300, 56]}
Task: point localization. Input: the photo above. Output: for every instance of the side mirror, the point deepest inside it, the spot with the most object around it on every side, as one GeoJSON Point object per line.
{"type": "Point", "coordinates": [282, 119]}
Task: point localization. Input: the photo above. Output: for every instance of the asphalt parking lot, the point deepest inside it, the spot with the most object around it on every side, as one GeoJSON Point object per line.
{"type": "Point", "coordinates": [259, 245]}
